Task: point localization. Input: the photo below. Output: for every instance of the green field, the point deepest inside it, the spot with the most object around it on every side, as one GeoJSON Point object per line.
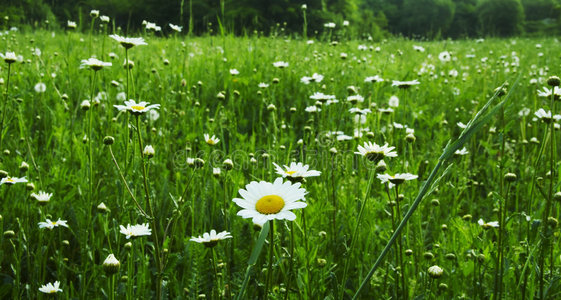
{"type": "Point", "coordinates": [263, 115]}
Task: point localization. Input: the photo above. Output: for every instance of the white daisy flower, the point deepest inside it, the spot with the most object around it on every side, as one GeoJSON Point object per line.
{"type": "Point", "coordinates": [234, 72]}
{"type": "Point", "coordinates": [296, 171]}
{"type": "Point", "coordinates": [444, 56]}
{"type": "Point", "coordinates": [9, 57]}
{"type": "Point", "coordinates": [104, 19]}
{"type": "Point", "coordinates": [418, 48]}
{"type": "Point", "coordinates": [405, 84]}
{"type": "Point", "coordinates": [210, 239]}
{"type": "Point", "coordinates": [355, 98]}
{"type": "Point", "coordinates": [264, 201]}
{"type": "Point", "coordinates": [319, 96]}
{"type": "Point", "coordinates": [175, 27]}
{"type": "Point", "coordinates": [52, 224]}
{"type": "Point", "coordinates": [94, 63]}
{"type": "Point", "coordinates": [135, 230]}
{"type": "Point", "coordinates": [547, 92]}
{"type": "Point", "coordinates": [51, 288]}
{"type": "Point", "coordinates": [40, 87]}
{"type": "Point", "coordinates": [359, 111]}
{"type": "Point", "coordinates": [42, 197]}
{"type": "Point", "coordinates": [136, 108]}
{"type": "Point", "coordinates": [394, 101]}
{"type": "Point", "coordinates": [312, 109]}
{"type": "Point", "coordinates": [12, 180]}
{"type": "Point", "coordinates": [487, 225]}
{"type": "Point", "coordinates": [543, 115]}
{"type": "Point", "coordinates": [373, 79]}
{"type": "Point", "coordinates": [374, 152]}
{"type": "Point", "coordinates": [462, 151]}
{"type": "Point", "coordinates": [211, 140]}
{"type": "Point", "coordinates": [280, 64]}
{"type": "Point", "coordinates": [396, 179]}
{"type": "Point", "coordinates": [262, 85]}
{"type": "Point", "coordinates": [128, 42]}
{"type": "Point", "coordinates": [71, 24]}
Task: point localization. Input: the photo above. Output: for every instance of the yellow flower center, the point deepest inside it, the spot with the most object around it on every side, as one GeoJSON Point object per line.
{"type": "Point", "coordinates": [210, 142]}
{"type": "Point", "coordinates": [290, 172]}
{"type": "Point", "coordinates": [270, 204]}
{"type": "Point", "coordinates": [138, 107]}
{"type": "Point", "coordinates": [10, 180]}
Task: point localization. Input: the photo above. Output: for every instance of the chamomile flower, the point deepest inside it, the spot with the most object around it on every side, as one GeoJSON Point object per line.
{"type": "Point", "coordinates": [211, 140]}
{"type": "Point", "coordinates": [136, 108]}
{"type": "Point", "coordinates": [94, 64]}
{"type": "Point", "coordinates": [71, 24]}
{"type": "Point", "coordinates": [374, 152]}
{"type": "Point", "coordinates": [444, 56]}
{"type": "Point", "coordinates": [396, 179]}
{"type": "Point", "coordinates": [210, 239]}
{"type": "Point", "coordinates": [9, 57]}
{"type": "Point", "coordinates": [263, 201]}
{"type": "Point", "coordinates": [280, 64]}
{"type": "Point", "coordinates": [12, 180]}
{"type": "Point", "coordinates": [405, 84]}
{"type": "Point", "coordinates": [128, 42]}
{"type": "Point", "coordinates": [50, 288]}
{"type": "Point", "coordinates": [372, 79]}
{"type": "Point", "coordinates": [487, 225]}
{"type": "Point", "coordinates": [52, 224]}
{"type": "Point", "coordinates": [135, 230]}
{"type": "Point", "coordinates": [175, 27]}
{"type": "Point", "coordinates": [543, 115]}
{"type": "Point", "coordinates": [42, 197]}
{"type": "Point", "coordinates": [556, 91]}
{"type": "Point", "coordinates": [296, 171]}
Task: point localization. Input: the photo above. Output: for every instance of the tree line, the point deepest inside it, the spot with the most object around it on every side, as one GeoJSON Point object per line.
{"type": "Point", "coordinates": [358, 18]}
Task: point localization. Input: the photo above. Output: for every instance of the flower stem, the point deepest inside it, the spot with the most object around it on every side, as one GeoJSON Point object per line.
{"type": "Point", "coordinates": [4, 106]}
{"type": "Point", "coordinates": [270, 264]}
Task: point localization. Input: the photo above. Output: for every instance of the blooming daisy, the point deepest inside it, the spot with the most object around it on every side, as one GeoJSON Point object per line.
{"type": "Point", "coordinates": [51, 288]}
{"type": "Point", "coordinates": [444, 56]}
{"type": "Point", "coordinates": [405, 84]}
{"type": "Point", "coordinates": [359, 111]}
{"type": "Point", "coordinates": [394, 101]}
{"type": "Point", "coordinates": [376, 78]}
{"type": "Point", "coordinates": [175, 27]}
{"type": "Point", "coordinates": [321, 97]}
{"type": "Point", "coordinates": [543, 115]}
{"type": "Point", "coordinates": [296, 171]}
{"type": "Point", "coordinates": [9, 57]}
{"type": "Point", "coordinates": [418, 48]}
{"type": "Point", "coordinates": [71, 24]}
{"type": "Point", "coordinates": [52, 224]}
{"type": "Point", "coordinates": [128, 42]}
{"type": "Point", "coordinates": [355, 98]}
{"type": "Point", "coordinates": [210, 239]}
{"type": "Point", "coordinates": [280, 64]}
{"type": "Point", "coordinates": [94, 63]}
{"type": "Point", "coordinates": [135, 230]}
{"type": "Point", "coordinates": [211, 140]}
{"type": "Point", "coordinates": [42, 197]}
{"type": "Point", "coordinates": [136, 108]}
{"type": "Point", "coordinates": [462, 151]}
{"type": "Point", "coordinates": [104, 19]}
{"type": "Point", "coordinates": [487, 225]}
{"type": "Point", "coordinates": [264, 201]}
{"type": "Point", "coordinates": [374, 152]}
{"type": "Point", "coordinates": [396, 179]}
{"type": "Point", "coordinates": [12, 180]}
{"type": "Point", "coordinates": [556, 91]}
{"type": "Point", "coordinates": [40, 87]}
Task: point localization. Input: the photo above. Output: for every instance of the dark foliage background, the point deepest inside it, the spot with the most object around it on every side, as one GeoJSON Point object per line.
{"type": "Point", "coordinates": [377, 18]}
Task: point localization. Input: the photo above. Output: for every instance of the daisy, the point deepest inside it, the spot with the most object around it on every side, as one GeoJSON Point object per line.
{"type": "Point", "coordinates": [543, 115]}
{"type": "Point", "coordinates": [396, 179]}
{"type": "Point", "coordinates": [51, 288]}
{"type": "Point", "coordinates": [319, 96]}
{"type": "Point", "coordinates": [175, 27]}
{"type": "Point", "coordinates": [418, 48]}
{"type": "Point", "coordinates": [51, 224]}
{"type": "Point", "coordinates": [444, 56]}
{"type": "Point", "coordinates": [94, 63]}
{"type": "Point", "coordinates": [487, 225]}
{"type": "Point", "coordinates": [405, 84]}
{"type": "Point", "coordinates": [374, 152]}
{"type": "Point", "coordinates": [128, 42]}
{"type": "Point", "coordinates": [71, 24]}
{"type": "Point", "coordinates": [104, 19]}
{"type": "Point", "coordinates": [312, 109]}
{"type": "Point", "coordinates": [373, 79]}
{"type": "Point", "coordinates": [359, 111]}
{"type": "Point", "coordinates": [137, 108]}
{"type": "Point", "coordinates": [9, 57]}
{"type": "Point", "coordinates": [394, 101]}
{"type": "Point", "coordinates": [135, 230]}
{"type": "Point", "coordinates": [111, 264]}
{"type": "Point", "coordinates": [40, 87]}
{"type": "Point", "coordinates": [355, 98]}
{"type": "Point", "coordinates": [211, 140]}
{"type": "Point", "coordinates": [547, 92]}
{"type": "Point", "coordinates": [264, 201]}
{"type": "Point", "coordinates": [462, 151]}
{"type": "Point", "coordinates": [211, 239]}
{"type": "Point", "coordinates": [385, 110]}
{"type": "Point", "coordinates": [280, 64]}
{"type": "Point", "coordinates": [262, 85]}
{"type": "Point", "coordinates": [12, 180]}
{"type": "Point", "coordinates": [42, 197]}
{"type": "Point", "coordinates": [234, 72]}
{"type": "Point", "coordinates": [296, 171]}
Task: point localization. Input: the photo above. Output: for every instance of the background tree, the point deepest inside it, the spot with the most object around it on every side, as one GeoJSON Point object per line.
{"type": "Point", "coordinates": [501, 17]}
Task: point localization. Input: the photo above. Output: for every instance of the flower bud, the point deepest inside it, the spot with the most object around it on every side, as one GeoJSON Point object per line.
{"type": "Point", "coordinates": [111, 265]}
{"type": "Point", "coordinates": [149, 151]}
{"type": "Point", "coordinates": [553, 81]}
{"type": "Point", "coordinates": [435, 271]}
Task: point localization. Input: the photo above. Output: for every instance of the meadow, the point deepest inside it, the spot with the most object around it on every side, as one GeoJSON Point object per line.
{"type": "Point", "coordinates": [229, 116]}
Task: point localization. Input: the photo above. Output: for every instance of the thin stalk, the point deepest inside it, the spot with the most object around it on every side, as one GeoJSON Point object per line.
{"type": "Point", "coordinates": [291, 263]}
{"type": "Point", "coordinates": [4, 106]}
{"type": "Point", "coordinates": [270, 264]}
{"type": "Point", "coordinates": [400, 247]}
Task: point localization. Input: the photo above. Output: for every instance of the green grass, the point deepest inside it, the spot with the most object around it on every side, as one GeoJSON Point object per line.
{"type": "Point", "coordinates": [46, 130]}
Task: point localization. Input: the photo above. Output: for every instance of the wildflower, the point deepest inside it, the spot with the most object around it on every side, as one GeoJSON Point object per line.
{"type": "Point", "coordinates": [51, 288]}
{"type": "Point", "coordinates": [42, 197]}
{"type": "Point", "coordinates": [394, 101]}
{"type": "Point", "coordinates": [94, 13]}
{"type": "Point", "coordinates": [128, 42]}
{"type": "Point", "coordinates": [396, 179]}
{"type": "Point", "coordinates": [264, 201]}
{"type": "Point", "coordinates": [374, 152]}
{"type": "Point", "coordinates": [111, 265]}
{"type": "Point", "coordinates": [12, 180]}
{"type": "Point", "coordinates": [345, 23]}
{"type": "Point", "coordinates": [444, 56]}
{"type": "Point", "coordinates": [435, 271]}
{"type": "Point", "coordinates": [211, 140]}
{"type": "Point", "coordinates": [263, 85]}
{"type": "Point", "coordinates": [175, 27]}
{"type": "Point", "coordinates": [556, 91]}
{"type": "Point", "coordinates": [329, 25]}
{"type": "Point", "coordinates": [52, 224]}
{"type": "Point", "coordinates": [543, 115]}
{"type": "Point", "coordinates": [71, 24]}
{"type": "Point", "coordinates": [94, 63]}
{"type": "Point", "coordinates": [376, 78]}
{"type": "Point", "coordinates": [104, 19]}
{"type": "Point", "coordinates": [314, 78]}
{"type": "Point", "coordinates": [216, 172]}
{"type": "Point", "coordinates": [135, 230]}
{"type": "Point", "coordinates": [487, 225]}
{"type": "Point", "coordinates": [296, 172]}
{"type": "Point", "coordinates": [462, 151]}
{"type": "Point", "coordinates": [9, 57]}
{"type": "Point", "coordinates": [40, 87]}
{"type": "Point", "coordinates": [280, 64]}
{"type": "Point", "coordinates": [355, 98]}
{"type": "Point", "coordinates": [405, 84]}
{"type": "Point", "coordinates": [234, 72]}
{"type": "Point", "coordinates": [304, 7]}
{"type": "Point", "coordinates": [319, 96]}
{"type": "Point", "coordinates": [359, 111]}
{"type": "Point", "coordinates": [418, 48]}
{"type": "Point", "coordinates": [136, 108]}
{"type": "Point", "coordinates": [210, 239]}
{"type": "Point", "coordinates": [312, 109]}
{"type": "Point", "coordinates": [149, 151]}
